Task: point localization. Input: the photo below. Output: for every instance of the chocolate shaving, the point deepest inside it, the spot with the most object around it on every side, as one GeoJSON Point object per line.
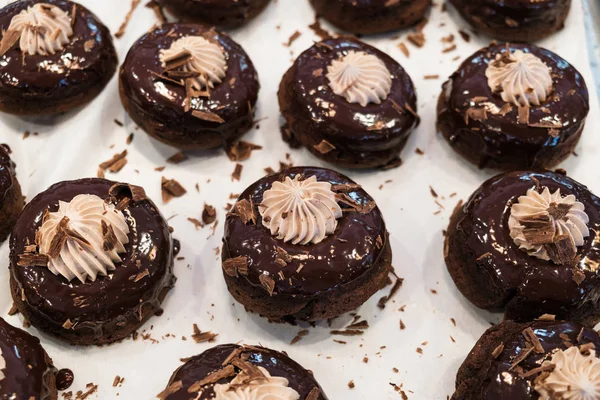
{"type": "Point", "coordinates": [314, 394]}
{"type": "Point", "coordinates": [32, 260]}
{"type": "Point", "coordinates": [245, 210]}
{"type": "Point", "coordinates": [141, 275]}
{"type": "Point", "coordinates": [523, 116]}
{"type": "Point", "coordinates": [521, 357]}
{"type": "Point", "coordinates": [235, 266]}
{"type": "Point", "coordinates": [268, 283]}
{"type": "Point", "coordinates": [9, 39]}
{"type": "Point", "coordinates": [172, 388]}
{"type": "Point", "coordinates": [207, 116]}
{"type": "Point", "coordinates": [293, 38]}
{"type": "Point", "coordinates": [68, 324]}
{"type": "Point", "coordinates": [158, 11]}
{"type": "Point", "coordinates": [202, 337]}
{"type": "Point", "coordinates": [346, 188]}
{"type": "Point", "coordinates": [358, 207]}
{"type": "Point", "coordinates": [209, 214]}
{"type": "Point", "coordinates": [299, 336]}
{"type": "Point", "coordinates": [535, 371]}
{"type": "Point", "coordinates": [324, 147]}
{"type": "Point", "coordinates": [116, 163]}
{"type": "Point", "coordinates": [562, 250]}
{"type": "Point", "coordinates": [383, 301]}
{"type": "Point", "coordinates": [241, 151]}
{"type": "Point", "coordinates": [177, 158]}
{"type": "Point", "coordinates": [319, 31]}
{"type": "Point", "coordinates": [559, 211]}
{"type": "Point", "coordinates": [237, 172]}
{"type": "Point", "coordinates": [212, 378]}
{"type": "Point", "coordinates": [532, 338]}
{"type": "Point", "coordinates": [123, 27]}
{"type": "Point", "coordinates": [109, 238]}
{"type": "Point", "coordinates": [578, 275]}
{"type": "Point", "coordinates": [498, 350]}
{"type": "Point", "coordinates": [135, 193]}
{"type": "Point", "coordinates": [171, 188]}
{"type": "Point", "coordinates": [59, 239]}
{"type": "Point", "coordinates": [347, 332]}
{"type": "Point", "coordinates": [538, 229]}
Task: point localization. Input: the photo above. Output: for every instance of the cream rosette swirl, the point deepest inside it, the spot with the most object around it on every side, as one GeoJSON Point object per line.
{"type": "Point", "coordinates": [538, 219]}
{"type": "Point", "coordinates": [360, 77]}
{"type": "Point", "coordinates": [575, 376]}
{"type": "Point", "coordinates": [43, 29]}
{"type": "Point", "coordinates": [266, 388]}
{"type": "Point", "coordinates": [205, 60]}
{"type": "Point", "coordinates": [521, 78]}
{"type": "Point", "coordinates": [83, 238]}
{"type": "Point", "coordinates": [300, 211]}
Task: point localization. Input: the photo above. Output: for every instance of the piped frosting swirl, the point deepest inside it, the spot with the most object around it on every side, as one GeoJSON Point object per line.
{"type": "Point", "coordinates": [44, 29]}
{"type": "Point", "coordinates": [575, 376]}
{"type": "Point", "coordinates": [360, 77]}
{"type": "Point", "coordinates": [205, 60]}
{"type": "Point", "coordinates": [548, 226]}
{"type": "Point", "coordinates": [266, 388]}
{"type": "Point", "coordinates": [521, 78]}
{"type": "Point", "coordinates": [83, 238]}
{"type": "Point", "coordinates": [301, 210]}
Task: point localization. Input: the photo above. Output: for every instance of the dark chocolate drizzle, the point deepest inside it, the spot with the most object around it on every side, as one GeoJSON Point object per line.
{"type": "Point", "coordinates": [68, 73]}
{"type": "Point", "coordinates": [340, 258]}
{"type": "Point", "coordinates": [277, 363]}
{"type": "Point", "coordinates": [109, 302]}
{"type": "Point", "coordinates": [27, 365]}
{"type": "Point", "coordinates": [500, 383]}
{"type": "Point", "coordinates": [541, 286]}
{"type": "Point", "coordinates": [351, 127]}
{"type": "Point", "coordinates": [502, 138]}
{"type": "Point", "coordinates": [163, 101]}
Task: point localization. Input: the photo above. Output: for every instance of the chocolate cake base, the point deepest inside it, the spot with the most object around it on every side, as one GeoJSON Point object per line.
{"type": "Point", "coordinates": [371, 17]}
{"type": "Point", "coordinates": [515, 23]}
{"type": "Point", "coordinates": [232, 15]}
{"type": "Point", "coordinates": [333, 303]}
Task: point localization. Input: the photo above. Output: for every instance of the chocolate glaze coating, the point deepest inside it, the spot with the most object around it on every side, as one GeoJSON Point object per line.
{"type": "Point", "coordinates": [507, 277]}
{"type": "Point", "coordinates": [11, 199]}
{"type": "Point", "coordinates": [56, 83]}
{"type": "Point", "coordinates": [333, 265]}
{"type": "Point", "coordinates": [371, 16]}
{"type": "Point", "coordinates": [500, 141]}
{"type": "Point", "coordinates": [158, 105]}
{"type": "Point", "coordinates": [484, 377]}
{"type": "Point", "coordinates": [314, 112]}
{"type": "Point", "coordinates": [110, 308]}
{"type": "Point", "coordinates": [277, 363]}
{"type": "Point", "coordinates": [29, 372]}
{"type": "Point", "coordinates": [221, 13]}
{"type": "Point", "coordinates": [515, 20]}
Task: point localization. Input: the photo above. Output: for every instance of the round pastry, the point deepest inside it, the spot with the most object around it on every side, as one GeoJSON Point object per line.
{"type": "Point", "coordinates": [527, 242]}
{"type": "Point", "coordinates": [515, 20]}
{"type": "Point", "coordinates": [90, 261]}
{"type": "Point", "coordinates": [26, 371]}
{"type": "Point", "coordinates": [56, 55]}
{"type": "Point", "coordinates": [221, 13]}
{"type": "Point", "coordinates": [349, 104]}
{"type": "Point", "coordinates": [367, 17]}
{"type": "Point", "coordinates": [530, 361]}
{"type": "Point", "coordinates": [305, 243]}
{"type": "Point", "coordinates": [233, 372]}
{"type": "Point", "coordinates": [189, 86]}
{"type": "Point", "coordinates": [11, 200]}
{"type": "Point", "coordinates": [513, 106]}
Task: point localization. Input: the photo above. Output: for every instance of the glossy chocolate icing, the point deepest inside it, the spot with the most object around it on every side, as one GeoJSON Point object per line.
{"type": "Point", "coordinates": [27, 365]}
{"type": "Point", "coordinates": [109, 302]}
{"type": "Point", "coordinates": [501, 139]}
{"type": "Point", "coordinates": [8, 175]}
{"type": "Point", "coordinates": [162, 102]}
{"type": "Point", "coordinates": [222, 13]}
{"type": "Point", "coordinates": [540, 286]}
{"type": "Point", "coordinates": [278, 364]}
{"type": "Point", "coordinates": [350, 127]}
{"type": "Point", "coordinates": [66, 74]}
{"type": "Point", "coordinates": [340, 258]}
{"type": "Point", "coordinates": [500, 383]}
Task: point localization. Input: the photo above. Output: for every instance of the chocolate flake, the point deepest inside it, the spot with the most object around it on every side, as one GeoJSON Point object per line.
{"type": "Point", "coordinates": [141, 275]}
{"type": "Point", "coordinates": [68, 324]}
{"type": "Point", "coordinates": [532, 338]}
{"type": "Point", "coordinates": [523, 116]}
{"type": "Point", "coordinates": [538, 229]}
{"type": "Point", "coordinates": [237, 172]}
{"type": "Point", "coordinates": [171, 188]}
{"type": "Point", "coordinates": [202, 337]}
{"type": "Point", "coordinates": [578, 275]}
{"type": "Point", "coordinates": [299, 336]}
{"type": "Point", "coordinates": [293, 38]}
{"type": "Point", "coordinates": [123, 27]}
{"type": "Point", "coordinates": [135, 193]}
{"type": "Point", "coordinates": [177, 158]}
{"type": "Point", "coordinates": [116, 163]}
{"type": "Point", "coordinates": [209, 214]}
{"type": "Point", "coordinates": [268, 283]}
{"type": "Point", "coordinates": [212, 378]}
{"type": "Point", "coordinates": [404, 49]}
{"type": "Point", "coordinates": [324, 147]}
{"type": "Point", "coordinates": [172, 388]}
{"type": "Point", "coordinates": [235, 266]}
{"type": "Point", "coordinates": [245, 210]}
{"type": "Point", "coordinates": [9, 40]}
{"type": "Point", "coordinates": [32, 260]}
{"type": "Point", "coordinates": [521, 357]}
{"type": "Point", "coordinates": [314, 394]}
{"type": "Point", "coordinates": [562, 250]}
{"type": "Point", "coordinates": [207, 116]}
{"type": "Point", "coordinates": [356, 206]}
{"type": "Point", "coordinates": [319, 31]}
{"type": "Point", "coordinates": [241, 151]}
{"type": "Point", "coordinates": [109, 237]}
{"type": "Point", "coordinates": [384, 300]}
{"type": "Point", "coordinates": [345, 188]}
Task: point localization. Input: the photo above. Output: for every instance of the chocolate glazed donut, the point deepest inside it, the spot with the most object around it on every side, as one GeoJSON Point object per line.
{"type": "Point", "coordinates": [221, 13]}
{"type": "Point", "coordinates": [319, 281]}
{"type": "Point", "coordinates": [220, 360]}
{"type": "Point", "coordinates": [111, 307]}
{"type": "Point", "coordinates": [489, 132]}
{"type": "Point", "coordinates": [491, 270]}
{"type": "Point", "coordinates": [56, 83]}
{"type": "Point", "coordinates": [157, 103]}
{"type": "Point", "coordinates": [29, 373]}
{"type": "Point", "coordinates": [356, 136]}
{"type": "Point", "coordinates": [490, 372]}
{"type": "Point", "coordinates": [368, 17]}
{"type": "Point", "coordinates": [11, 199]}
{"type": "Point", "coordinates": [515, 20]}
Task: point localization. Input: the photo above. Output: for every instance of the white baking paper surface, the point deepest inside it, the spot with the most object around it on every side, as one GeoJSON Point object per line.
{"type": "Point", "coordinates": [72, 146]}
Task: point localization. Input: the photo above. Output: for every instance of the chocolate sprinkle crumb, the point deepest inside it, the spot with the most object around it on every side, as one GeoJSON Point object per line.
{"type": "Point", "coordinates": [268, 283]}
{"type": "Point", "coordinates": [235, 266]}
{"type": "Point", "coordinates": [171, 188]}
{"type": "Point", "coordinates": [209, 214]}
